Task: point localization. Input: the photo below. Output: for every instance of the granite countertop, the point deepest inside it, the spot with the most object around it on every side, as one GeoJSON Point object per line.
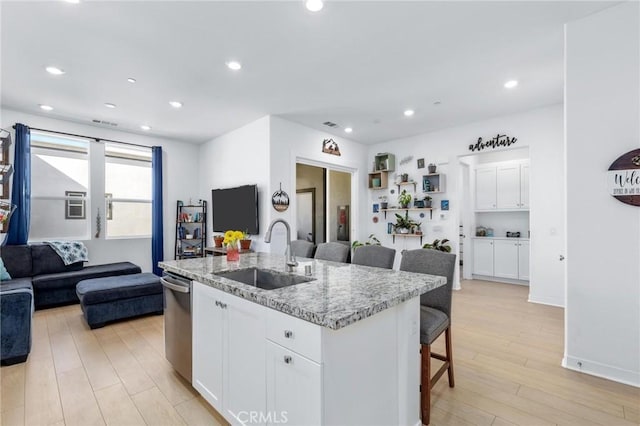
{"type": "Point", "coordinates": [340, 294]}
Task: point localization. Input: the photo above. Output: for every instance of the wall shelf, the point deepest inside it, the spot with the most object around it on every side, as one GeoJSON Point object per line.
{"type": "Point", "coordinates": [429, 209]}
{"type": "Point", "coordinates": [385, 162]}
{"type": "Point", "coordinates": [406, 236]}
{"type": "Point", "coordinates": [433, 183]}
{"type": "Point", "coordinates": [382, 177]}
{"type": "Point", "coordinates": [401, 184]}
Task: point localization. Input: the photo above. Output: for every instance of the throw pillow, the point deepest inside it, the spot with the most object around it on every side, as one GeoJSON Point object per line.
{"type": "Point", "coordinates": [4, 274]}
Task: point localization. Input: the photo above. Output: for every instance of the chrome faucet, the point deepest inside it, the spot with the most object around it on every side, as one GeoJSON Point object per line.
{"type": "Point", "coordinates": [290, 261]}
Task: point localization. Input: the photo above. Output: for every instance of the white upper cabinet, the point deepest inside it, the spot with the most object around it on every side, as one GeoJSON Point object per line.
{"type": "Point", "coordinates": [502, 187]}
{"type": "Point", "coordinates": [486, 188]}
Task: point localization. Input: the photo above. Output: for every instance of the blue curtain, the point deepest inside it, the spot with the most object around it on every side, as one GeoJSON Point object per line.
{"type": "Point", "coordinates": [18, 232]}
{"type": "Point", "coordinates": [157, 233]}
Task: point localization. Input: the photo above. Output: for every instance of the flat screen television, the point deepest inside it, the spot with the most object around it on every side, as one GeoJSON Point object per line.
{"type": "Point", "coordinates": [235, 209]}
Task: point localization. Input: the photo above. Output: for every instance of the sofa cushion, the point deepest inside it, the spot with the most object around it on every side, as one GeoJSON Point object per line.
{"type": "Point", "coordinates": [108, 289]}
{"type": "Point", "coordinates": [70, 279]}
{"type": "Point", "coordinates": [47, 261]}
{"type": "Point", "coordinates": [18, 283]}
{"type": "Point", "coordinates": [17, 260]}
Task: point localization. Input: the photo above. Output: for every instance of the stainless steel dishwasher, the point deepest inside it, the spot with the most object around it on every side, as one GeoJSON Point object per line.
{"type": "Point", "coordinates": [177, 323]}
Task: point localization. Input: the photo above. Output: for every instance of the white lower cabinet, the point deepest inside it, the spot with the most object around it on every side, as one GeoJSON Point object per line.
{"type": "Point", "coordinates": [505, 259]}
{"type": "Point", "coordinates": [501, 258]}
{"type": "Point", "coordinates": [483, 257]}
{"type": "Point", "coordinates": [229, 353]}
{"type": "Point", "coordinates": [259, 366]}
{"type": "Point", "coordinates": [523, 260]}
{"type": "Point", "coordinates": [294, 387]}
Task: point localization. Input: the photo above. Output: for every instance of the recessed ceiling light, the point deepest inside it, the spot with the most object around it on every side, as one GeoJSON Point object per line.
{"type": "Point", "coordinates": [145, 127]}
{"type": "Point", "coordinates": [314, 5]}
{"type": "Point", "coordinates": [409, 112]}
{"type": "Point", "coordinates": [46, 107]}
{"type": "Point", "coordinates": [175, 104]}
{"type": "Point", "coordinates": [131, 80]}
{"type": "Point", "coordinates": [348, 129]}
{"type": "Point", "coordinates": [511, 84]}
{"type": "Point", "coordinates": [109, 105]}
{"type": "Point", "coordinates": [54, 70]}
{"type": "Point", "coordinates": [234, 65]}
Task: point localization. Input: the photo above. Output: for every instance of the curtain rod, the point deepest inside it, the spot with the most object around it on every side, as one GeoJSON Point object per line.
{"type": "Point", "coordinates": [86, 137]}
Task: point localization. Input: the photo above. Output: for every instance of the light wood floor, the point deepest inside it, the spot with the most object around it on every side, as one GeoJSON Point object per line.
{"type": "Point", "coordinates": [507, 356]}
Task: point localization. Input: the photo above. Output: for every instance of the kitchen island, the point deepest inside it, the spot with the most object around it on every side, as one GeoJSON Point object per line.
{"type": "Point", "coordinates": [342, 348]}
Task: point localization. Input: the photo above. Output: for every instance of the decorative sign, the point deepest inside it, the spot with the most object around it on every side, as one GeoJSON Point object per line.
{"type": "Point", "coordinates": [280, 200]}
{"type": "Point", "coordinates": [330, 146]}
{"type": "Point", "coordinates": [623, 178]}
{"type": "Point", "coordinates": [499, 141]}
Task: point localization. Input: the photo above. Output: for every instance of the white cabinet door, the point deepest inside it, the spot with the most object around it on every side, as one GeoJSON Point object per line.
{"type": "Point", "coordinates": [486, 188]}
{"type": "Point", "coordinates": [508, 187]}
{"type": "Point", "coordinates": [524, 186]}
{"type": "Point", "coordinates": [208, 337]}
{"type": "Point", "coordinates": [505, 259]}
{"type": "Point", "coordinates": [523, 260]}
{"type": "Point", "coordinates": [483, 257]}
{"type": "Point", "coordinates": [244, 382]}
{"type": "Point", "coordinates": [294, 387]}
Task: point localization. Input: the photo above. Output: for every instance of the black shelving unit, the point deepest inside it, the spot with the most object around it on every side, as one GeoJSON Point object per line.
{"type": "Point", "coordinates": [191, 221]}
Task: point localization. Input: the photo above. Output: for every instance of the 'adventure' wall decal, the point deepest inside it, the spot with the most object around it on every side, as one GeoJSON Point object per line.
{"type": "Point", "coordinates": [499, 141]}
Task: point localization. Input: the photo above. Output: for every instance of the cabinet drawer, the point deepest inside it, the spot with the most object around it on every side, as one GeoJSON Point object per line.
{"type": "Point", "coordinates": [295, 334]}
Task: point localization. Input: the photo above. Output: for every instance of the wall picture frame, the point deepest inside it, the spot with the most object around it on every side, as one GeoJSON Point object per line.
{"type": "Point", "coordinates": [421, 163]}
{"type": "Point", "coordinates": [444, 204]}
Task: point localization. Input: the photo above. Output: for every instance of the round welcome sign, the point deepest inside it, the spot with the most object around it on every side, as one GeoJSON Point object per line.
{"type": "Point", "coordinates": [623, 178]}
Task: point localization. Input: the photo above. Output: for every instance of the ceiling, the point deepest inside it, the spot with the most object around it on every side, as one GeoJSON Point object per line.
{"type": "Point", "coordinates": [357, 64]}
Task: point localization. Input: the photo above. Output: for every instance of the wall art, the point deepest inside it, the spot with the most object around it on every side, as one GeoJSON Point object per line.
{"type": "Point", "coordinates": [280, 200]}
{"type": "Point", "coordinates": [623, 178]}
{"type": "Point", "coordinates": [330, 146]}
{"type": "Point", "coordinates": [421, 163]}
{"type": "Point", "coordinates": [498, 141]}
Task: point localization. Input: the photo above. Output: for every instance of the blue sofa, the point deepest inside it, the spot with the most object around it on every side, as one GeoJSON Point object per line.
{"type": "Point", "coordinates": [40, 279]}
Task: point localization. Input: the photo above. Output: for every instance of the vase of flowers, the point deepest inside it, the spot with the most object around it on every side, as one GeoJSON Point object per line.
{"type": "Point", "coordinates": [230, 242]}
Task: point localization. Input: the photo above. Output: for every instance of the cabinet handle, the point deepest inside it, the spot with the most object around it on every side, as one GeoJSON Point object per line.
{"type": "Point", "coordinates": [288, 359]}
{"type": "Point", "coordinates": [288, 334]}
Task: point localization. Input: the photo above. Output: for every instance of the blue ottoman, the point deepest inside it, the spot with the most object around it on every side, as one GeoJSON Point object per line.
{"type": "Point", "coordinates": [124, 296]}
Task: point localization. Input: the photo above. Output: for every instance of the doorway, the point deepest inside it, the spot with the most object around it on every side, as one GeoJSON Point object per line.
{"type": "Point", "coordinates": [323, 204]}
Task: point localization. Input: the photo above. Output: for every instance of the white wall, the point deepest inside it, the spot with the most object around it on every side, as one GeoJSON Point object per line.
{"type": "Point", "coordinates": [179, 183]}
{"type": "Point", "coordinates": [240, 157]}
{"type": "Point", "coordinates": [291, 142]}
{"type": "Point", "coordinates": [541, 131]}
{"type": "Point", "coordinates": [603, 234]}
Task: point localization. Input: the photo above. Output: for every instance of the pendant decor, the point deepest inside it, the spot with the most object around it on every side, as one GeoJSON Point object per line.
{"type": "Point", "coordinates": [98, 224]}
{"type": "Point", "coordinates": [330, 146]}
{"type": "Point", "coordinates": [280, 200]}
{"type": "Point", "coordinates": [498, 141]}
{"type": "Point", "coordinates": [623, 178]}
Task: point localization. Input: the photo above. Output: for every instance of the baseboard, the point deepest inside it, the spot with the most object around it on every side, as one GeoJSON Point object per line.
{"type": "Point", "coordinates": [500, 280]}
{"type": "Point", "coordinates": [604, 371]}
{"type": "Point", "coordinates": [546, 301]}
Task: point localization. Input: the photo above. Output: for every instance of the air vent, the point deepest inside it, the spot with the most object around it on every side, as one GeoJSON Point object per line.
{"type": "Point", "coordinates": [103, 122]}
{"type": "Point", "coordinates": [330, 124]}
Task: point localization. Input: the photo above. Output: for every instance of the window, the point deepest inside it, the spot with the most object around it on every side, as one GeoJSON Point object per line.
{"type": "Point", "coordinates": [127, 191]}
{"type": "Point", "coordinates": [59, 187]}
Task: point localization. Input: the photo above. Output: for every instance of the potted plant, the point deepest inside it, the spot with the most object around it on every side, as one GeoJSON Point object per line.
{"type": "Point", "coordinates": [245, 242]}
{"type": "Point", "coordinates": [404, 177]}
{"type": "Point", "coordinates": [427, 201]}
{"type": "Point", "coordinates": [404, 199]}
{"type": "Point", "coordinates": [404, 224]}
{"type": "Point", "coordinates": [439, 245]}
{"type": "Point", "coordinates": [418, 230]}
{"type": "Point", "coordinates": [384, 204]}
{"type": "Point", "coordinates": [431, 167]}
{"type": "Point", "coordinates": [218, 240]}
{"type": "Point", "coordinates": [230, 242]}
{"type": "Point", "coordinates": [372, 241]}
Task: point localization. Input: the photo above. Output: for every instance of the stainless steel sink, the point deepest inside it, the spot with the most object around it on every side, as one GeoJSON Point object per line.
{"type": "Point", "coordinates": [264, 278]}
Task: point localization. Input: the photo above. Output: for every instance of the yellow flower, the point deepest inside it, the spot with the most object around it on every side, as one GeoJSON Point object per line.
{"type": "Point", "coordinates": [238, 235]}
{"type": "Point", "coordinates": [228, 234]}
